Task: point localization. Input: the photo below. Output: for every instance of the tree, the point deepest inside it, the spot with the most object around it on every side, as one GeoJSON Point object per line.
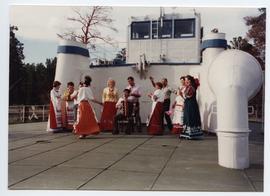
{"type": "Point", "coordinates": [242, 44]}
{"type": "Point", "coordinates": [256, 36]}
{"type": "Point", "coordinates": [41, 85]}
{"type": "Point", "coordinates": [256, 33]}
{"type": "Point", "coordinates": [38, 79]}
{"type": "Point", "coordinates": [50, 67]}
{"type": "Point", "coordinates": [16, 57]}
{"type": "Point", "coordinates": [90, 23]}
{"type": "Point", "coordinates": [120, 57]}
{"type": "Point", "coordinates": [27, 85]}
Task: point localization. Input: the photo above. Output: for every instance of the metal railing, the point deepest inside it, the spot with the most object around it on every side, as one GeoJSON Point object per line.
{"type": "Point", "coordinates": [39, 113]}
{"type": "Point", "coordinates": [28, 113]}
{"type": "Point", "coordinates": [253, 113]}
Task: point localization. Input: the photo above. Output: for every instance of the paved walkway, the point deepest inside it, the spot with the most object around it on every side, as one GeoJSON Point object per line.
{"type": "Point", "coordinates": [40, 160]}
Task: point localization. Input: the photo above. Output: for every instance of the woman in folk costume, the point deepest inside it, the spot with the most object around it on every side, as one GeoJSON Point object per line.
{"type": "Point", "coordinates": [55, 116]}
{"type": "Point", "coordinates": [155, 125]}
{"type": "Point", "coordinates": [192, 119]}
{"type": "Point", "coordinates": [109, 99]}
{"type": "Point", "coordinates": [178, 107]}
{"type": "Point", "coordinates": [69, 103]}
{"type": "Point", "coordinates": [86, 120]}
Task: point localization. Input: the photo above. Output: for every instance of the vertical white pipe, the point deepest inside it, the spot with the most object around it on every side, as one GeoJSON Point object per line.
{"type": "Point", "coordinates": [233, 128]}
{"type": "Point", "coordinates": [233, 107]}
{"type": "Point", "coordinates": [233, 150]}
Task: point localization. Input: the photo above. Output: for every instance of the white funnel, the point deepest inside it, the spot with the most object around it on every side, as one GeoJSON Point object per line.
{"type": "Point", "coordinates": [234, 77]}
{"type": "Point", "coordinates": [71, 58]}
{"type": "Point", "coordinates": [212, 45]}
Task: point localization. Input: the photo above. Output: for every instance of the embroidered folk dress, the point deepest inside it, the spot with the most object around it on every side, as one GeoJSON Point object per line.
{"type": "Point", "coordinates": [155, 126]}
{"type": "Point", "coordinates": [86, 118]}
{"type": "Point", "coordinates": [69, 104]}
{"type": "Point", "coordinates": [109, 99]}
{"type": "Point", "coordinates": [192, 119]}
{"type": "Point", "coordinates": [178, 115]}
{"type": "Point", "coordinates": [55, 115]}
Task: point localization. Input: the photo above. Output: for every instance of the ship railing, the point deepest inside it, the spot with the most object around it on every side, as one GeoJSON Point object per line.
{"type": "Point", "coordinates": [28, 113]}
{"type": "Point", "coordinates": [40, 113]}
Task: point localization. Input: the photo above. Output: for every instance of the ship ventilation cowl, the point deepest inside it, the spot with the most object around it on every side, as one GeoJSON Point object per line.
{"type": "Point", "coordinates": [234, 77]}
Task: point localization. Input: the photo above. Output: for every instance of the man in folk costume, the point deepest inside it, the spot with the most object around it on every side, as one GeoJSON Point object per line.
{"type": "Point", "coordinates": [178, 109]}
{"type": "Point", "coordinates": [86, 121]}
{"type": "Point", "coordinates": [155, 123]}
{"type": "Point", "coordinates": [135, 94]}
{"type": "Point", "coordinates": [135, 90]}
{"type": "Point", "coordinates": [167, 90]}
{"type": "Point", "coordinates": [109, 99]}
{"type": "Point", "coordinates": [69, 101]}
{"type": "Point", "coordinates": [126, 107]}
{"type": "Point", "coordinates": [55, 116]}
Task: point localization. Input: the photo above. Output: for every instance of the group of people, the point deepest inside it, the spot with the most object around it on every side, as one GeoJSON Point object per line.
{"type": "Point", "coordinates": [74, 111]}
{"type": "Point", "coordinates": [186, 121]}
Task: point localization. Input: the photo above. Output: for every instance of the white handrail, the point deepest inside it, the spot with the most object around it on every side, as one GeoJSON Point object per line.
{"type": "Point", "coordinates": [28, 113]}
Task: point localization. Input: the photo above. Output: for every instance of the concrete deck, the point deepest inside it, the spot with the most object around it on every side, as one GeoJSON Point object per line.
{"type": "Point", "coordinates": [40, 161]}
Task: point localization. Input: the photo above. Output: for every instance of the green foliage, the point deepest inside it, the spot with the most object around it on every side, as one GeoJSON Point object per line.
{"type": "Point", "coordinates": [29, 83]}
{"type": "Point", "coordinates": [243, 44]}
{"type": "Point", "coordinates": [15, 66]}
{"type": "Point", "coordinates": [254, 43]}
{"type": "Point", "coordinates": [38, 79]}
{"type": "Point", "coordinates": [256, 47]}
{"type": "Point", "coordinates": [256, 33]}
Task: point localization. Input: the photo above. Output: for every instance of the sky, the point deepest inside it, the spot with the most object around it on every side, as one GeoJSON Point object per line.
{"type": "Point", "coordinates": [38, 25]}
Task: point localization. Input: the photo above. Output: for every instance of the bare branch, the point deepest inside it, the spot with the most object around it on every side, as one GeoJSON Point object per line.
{"type": "Point", "coordinates": [91, 23]}
{"type": "Point", "coordinates": [81, 17]}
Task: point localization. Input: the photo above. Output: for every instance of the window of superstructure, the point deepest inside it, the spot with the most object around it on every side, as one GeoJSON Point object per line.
{"type": "Point", "coordinates": [161, 29]}
{"type": "Point", "coordinates": [140, 30]}
{"type": "Point", "coordinates": [184, 28]}
{"type": "Point", "coordinates": [166, 29]}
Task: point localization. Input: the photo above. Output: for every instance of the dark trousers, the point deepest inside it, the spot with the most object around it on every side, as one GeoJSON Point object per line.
{"type": "Point", "coordinates": [166, 107]}
{"type": "Point", "coordinates": [75, 112]}
{"type": "Point", "coordinates": [122, 117]}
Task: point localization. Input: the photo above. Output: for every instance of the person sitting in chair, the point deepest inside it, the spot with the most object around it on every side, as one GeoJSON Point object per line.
{"type": "Point", "coordinates": [126, 107]}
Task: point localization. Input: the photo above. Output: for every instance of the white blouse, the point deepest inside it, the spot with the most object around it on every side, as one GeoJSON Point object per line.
{"type": "Point", "coordinates": [134, 90]}
{"type": "Point", "coordinates": [85, 93]}
{"type": "Point", "coordinates": [159, 94]}
{"type": "Point", "coordinates": [74, 96]}
{"type": "Point", "coordinates": [56, 98]}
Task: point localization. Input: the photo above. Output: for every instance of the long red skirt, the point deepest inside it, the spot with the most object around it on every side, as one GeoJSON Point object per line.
{"type": "Point", "coordinates": [86, 123]}
{"type": "Point", "coordinates": [177, 129]}
{"type": "Point", "coordinates": [155, 126]}
{"type": "Point", "coordinates": [55, 118]}
{"type": "Point", "coordinates": [64, 114]}
{"type": "Point", "coordinates": [69, 115]}
{"type": "Point", "coordinates": [107, 117]}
